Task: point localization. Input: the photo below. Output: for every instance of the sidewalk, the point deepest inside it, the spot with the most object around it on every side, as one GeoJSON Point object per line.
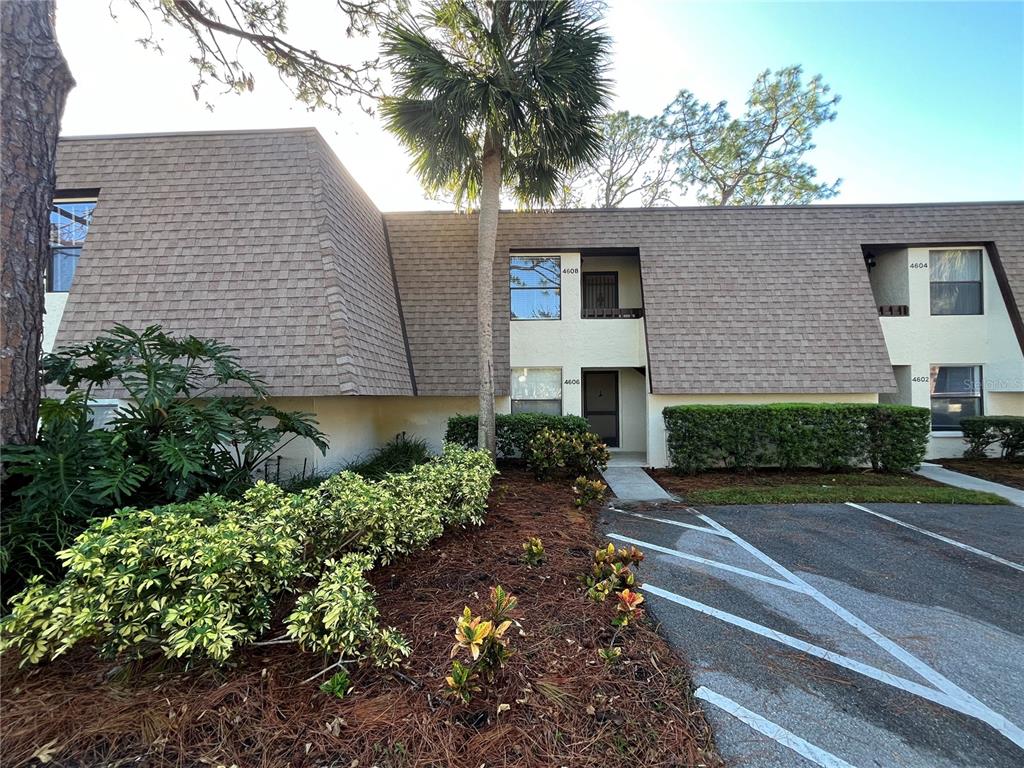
{"type": "Point", "coordinates": [960, 480]}
{"type": "Point", "coordinates": [633, 484]}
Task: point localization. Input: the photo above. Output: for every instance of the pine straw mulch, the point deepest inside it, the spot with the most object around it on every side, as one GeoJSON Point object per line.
{"type": "Point", "coordinates": [1003, 471]}
{"type": "Point", "coordinates": [565, 707]}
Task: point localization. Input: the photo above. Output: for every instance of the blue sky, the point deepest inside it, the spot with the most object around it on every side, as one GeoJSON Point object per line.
{"type": "Point", "coordinates": [932, 92]}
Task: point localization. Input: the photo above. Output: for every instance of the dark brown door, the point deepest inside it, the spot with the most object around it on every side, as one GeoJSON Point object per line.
{"type": "Point", "coordinates": [601, 404]}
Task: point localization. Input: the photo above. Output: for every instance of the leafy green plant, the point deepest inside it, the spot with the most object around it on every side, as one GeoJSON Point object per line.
{"type": "Point", "coordinates": [398, 455]}
{"type": "Point", "coordinates": [830, 436]}
{"type": "Point", "coordinates": [586, 493]}
{"type": "Point", "coordinates": [611, 571]}
{"type": "Point", "coordinates": [339, 616]}
{"type": "Point", "coordinates": [172, 439]}
{"type": "Point", "coordinates": [204, 577]}
{"type": "Point", "coordinates": [627, 609]}
{"type": "Point", "coordinates": [611, 655]}
{"type": "Point", "coordinates": [984, 432]}
{"type": "Point", "coordinates": [482, 639]}
{"type": "Point", "coordinates": [555, 453]}
{"type": "Point", "coordinates": [533, 551]}
{"type": "Point", "coordinates": [337, 685]}
{"type": "Point", "coordinates": [514, 431]}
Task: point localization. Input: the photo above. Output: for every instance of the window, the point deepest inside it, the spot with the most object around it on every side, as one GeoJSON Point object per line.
{"type": "Point", "coordinates": [956, 282]}
{"type": "Point", "coordinates": [69, 224]}
{"type": "Point", "coordinates": [537, 390]}
{"type": "Point", "coordinates": [536, 285]}
{"type": "Point", "coordinates": [600, 292]}
{"type": "Point", "coordinates": [956, 393]}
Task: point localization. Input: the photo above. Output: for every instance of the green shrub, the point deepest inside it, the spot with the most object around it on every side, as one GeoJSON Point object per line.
{"type": "Point", "coordinates": [984, 432]}
{"type": "Point", "coordinates": [826, 435]}
{"type": "Point", "coordinates": [513, 432]}
{"type": "Point", "coordinates": [399, 455]}
{"type": "Point", "coordinates": [172, 440]}
{"type": "Point", "coordinates": [586, 492]}
{"type": "Point", "coordinates": [552, 453]}
{"type": "Point", "coordinates": [203, 577]}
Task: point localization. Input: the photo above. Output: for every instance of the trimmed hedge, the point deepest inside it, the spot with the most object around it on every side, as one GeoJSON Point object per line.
{"type": "Point", "coordinates": [514, 432]}
{"type": "Point", "coordinates": [202, 578]}
{"type": "Point", "coordinates": [983, 432]}
{"type": "Point", "coordinates": [788, 435]}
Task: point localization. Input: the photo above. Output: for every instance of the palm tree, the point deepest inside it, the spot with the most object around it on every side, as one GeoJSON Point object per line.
{"type": "Point", "coordinates": [492, 95]}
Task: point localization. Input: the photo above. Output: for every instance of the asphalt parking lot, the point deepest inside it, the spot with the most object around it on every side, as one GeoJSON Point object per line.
{"type": "Point", "coordinates": [834, 635]}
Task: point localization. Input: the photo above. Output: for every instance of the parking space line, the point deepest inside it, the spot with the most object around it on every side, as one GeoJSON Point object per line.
{"type": "Point", "coordinates": [959, 699]}
{"type": "Point", "coordinates": [872, 634]}
{"type": "Point", "coordinates": [931, 694]}
{"type": "Point", "coordinates": [691, 526]}
{"type": "Point", "coordinates": [772, 730]}
{"type": "Point", "coordinates": [712, 563]}
{"type": "Point", "coordinates": [940, 537]}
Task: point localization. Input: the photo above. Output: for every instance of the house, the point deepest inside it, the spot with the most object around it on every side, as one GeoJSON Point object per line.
{"type": "Point", "coordinates": [263, 240]}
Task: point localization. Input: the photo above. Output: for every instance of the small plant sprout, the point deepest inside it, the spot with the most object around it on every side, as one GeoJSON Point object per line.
{"type": "Point", "coordinates": [610, 655]}
{"type": "Point", "coordinates": [533, 551]}
{"type": "Point", "coordinates": [462, 682]}
{"type": "Point", "coordinates": [483, 640]}
{"type": "Point", "coordinates": [338, 685]}
{"type": "Point", "coordinates": [628, 610]}
{"type": "Point", "coordinates": [587, 492]}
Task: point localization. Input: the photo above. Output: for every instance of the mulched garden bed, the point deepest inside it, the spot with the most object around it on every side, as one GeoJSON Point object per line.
{"type": "Point", "coordinates": [769, 485]}
{"type": "Point", "coordinates": [564, 706]}
{"type": "Point", "coordinates": [1003, 471]}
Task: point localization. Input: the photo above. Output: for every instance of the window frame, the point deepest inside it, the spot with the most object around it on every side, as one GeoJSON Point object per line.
{"type": "Point", "coordinates": [561, 388]}
{"type": "Point", "coordinates": [53, 248]}
{"type": "Point", "coordinates": [932, 396]}
{"type": "Point", "coordinates": [512, 288]}
{"type": "Point", "coordinates": [583, 289]}
{"type": "Point", "coordinates": [980, 250]}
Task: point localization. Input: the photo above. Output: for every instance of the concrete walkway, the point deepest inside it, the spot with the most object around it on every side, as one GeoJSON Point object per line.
{"type": "Point", "coordinates": [960, 480]}
{"type": "Point", "coordinates": [633, 484]}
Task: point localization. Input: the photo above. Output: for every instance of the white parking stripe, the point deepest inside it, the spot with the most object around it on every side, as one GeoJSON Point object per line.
{"type": "Point", "coordinates": [958, 704]}
{"type": "Point", "coordinates": [940, 537]}
{"type": "Point", "coordinates": [978, 709]}
{"type": "Point", "coordinates": [678, 524]}
{"type": "Point", "coordinates": [705, 561]}
{"type": "Point", "coordinates": [772, 730]}
{"type": "Point", "coordinates": [872, 634]}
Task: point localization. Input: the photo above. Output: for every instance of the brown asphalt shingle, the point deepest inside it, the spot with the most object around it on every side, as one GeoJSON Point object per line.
{"type": "Point", "coordinates": [259, 239]}
{"type": "Point", "coordinates": [262, 240]}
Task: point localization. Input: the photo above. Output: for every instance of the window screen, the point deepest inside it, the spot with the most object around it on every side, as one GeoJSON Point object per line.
{"type": "Point", "coordinates": [537, 390]}
{"type": "Point", "coordinates": [955, 282]}
{"type": "Point", "coordinates": [536, 287]}
{"type": "Point", "coordinates": [956, 393]}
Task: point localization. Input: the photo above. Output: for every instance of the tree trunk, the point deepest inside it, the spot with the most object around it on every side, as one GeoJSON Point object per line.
{"type": "Point", "coordinates": [35, 80]}
{"type": "Point", "coordinates": [487, 236]}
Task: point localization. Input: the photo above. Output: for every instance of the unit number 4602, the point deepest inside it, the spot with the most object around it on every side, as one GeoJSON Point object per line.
{"type": "Point", "coordinates": [920, 378]}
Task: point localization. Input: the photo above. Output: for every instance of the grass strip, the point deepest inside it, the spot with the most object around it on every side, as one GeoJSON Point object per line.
{"type": "Point", "coordinates": [838, 494]}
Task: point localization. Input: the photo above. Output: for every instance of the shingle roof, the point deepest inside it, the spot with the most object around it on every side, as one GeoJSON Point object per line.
{"type": "Point", "coordinates": [761, 299]}
{"type": "Point", "coordinates": [260, 239]}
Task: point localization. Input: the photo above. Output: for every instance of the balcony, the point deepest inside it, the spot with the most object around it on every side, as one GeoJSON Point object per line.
{"type": "Point", "coordinates": [612, 313]}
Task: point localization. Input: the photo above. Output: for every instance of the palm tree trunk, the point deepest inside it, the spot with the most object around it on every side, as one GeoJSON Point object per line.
{"type": "Point", "coordinates": [35, 81]}
{"type": "Point", "coordinates": [487, 236]}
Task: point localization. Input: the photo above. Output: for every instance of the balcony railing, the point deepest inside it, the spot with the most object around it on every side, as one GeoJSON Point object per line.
{"type": "Point", "coordinates": [613, 313]}
{"type": "Point", "coordinates": [893, 310]}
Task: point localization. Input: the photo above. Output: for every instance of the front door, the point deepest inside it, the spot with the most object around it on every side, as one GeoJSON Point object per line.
{"type": "Point", "coordinates": [601, 404]}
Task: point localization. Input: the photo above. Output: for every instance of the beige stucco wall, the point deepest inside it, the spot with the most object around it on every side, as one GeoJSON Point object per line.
{"type": "Point", "coordinates": [922, 340]}
{"type": "Point", "coordinates": [355, 426]}
{"type": "Point", "coordinates": [574, 344]}
{"type": "Point", "coordinates": [657, 447]}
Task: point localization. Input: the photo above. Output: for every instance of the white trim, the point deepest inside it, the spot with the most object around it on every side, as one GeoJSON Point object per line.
{"type": "Point", "coordinates": [772, 730]}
